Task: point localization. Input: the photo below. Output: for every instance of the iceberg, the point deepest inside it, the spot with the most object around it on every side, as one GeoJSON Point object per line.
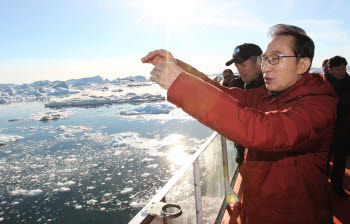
{"type": "Point", "coordinates": [156, 108]}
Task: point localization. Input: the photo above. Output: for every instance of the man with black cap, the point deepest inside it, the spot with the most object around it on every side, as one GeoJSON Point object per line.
{"type": "Point", "coordinates": [245, 59]}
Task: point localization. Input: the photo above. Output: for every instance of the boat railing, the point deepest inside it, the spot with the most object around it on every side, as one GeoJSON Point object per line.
{"type": "Point", "coordinates": [200, 187]}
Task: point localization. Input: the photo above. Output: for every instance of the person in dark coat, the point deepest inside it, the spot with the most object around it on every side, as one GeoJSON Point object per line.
{"type": "Point", "coordinates": [228, 76]}
{"type": "Point", "coordinates": [245, 58]}
{"type": "Point", "coordinates": [325, 66]}
{"type": "Point", "coordinates": [340, 80]}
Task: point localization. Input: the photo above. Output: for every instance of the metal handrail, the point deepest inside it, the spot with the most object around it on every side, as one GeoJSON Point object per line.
{"type": "Point", "coordinates": [144, 217]}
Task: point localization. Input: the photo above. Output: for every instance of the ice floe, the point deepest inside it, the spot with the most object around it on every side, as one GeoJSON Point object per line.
{"type": "Point", "coordinates": [21, 192]}
{"type": "Point", "coordinates": [91, 202]}
{"type": "Point", "coordinates": [148, 108]}
{"type": "Point", "coordinates": [7, 139]}
{"type": "Point", "coordinates": [127, 190]}
{"type": "Point", "coordinates": [78, 92]}
{"type": "Point", "coordinates": [95, 100]}
{"type": "Point", "coordinates": [64, 189]}
{"type": "Point", "coordinates": [138, 204]}
{"type": "Point", "coordinates": [51, 115]}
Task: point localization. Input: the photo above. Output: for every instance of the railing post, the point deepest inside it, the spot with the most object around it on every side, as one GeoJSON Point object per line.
{"type": "Point", "coordinates": [197, 191]}
{"type": "Point", "coordinates": [225, 164]}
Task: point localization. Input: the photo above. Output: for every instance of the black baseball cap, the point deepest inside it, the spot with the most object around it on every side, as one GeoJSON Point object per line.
{"type": "Point", "coordinates": [243, 52]}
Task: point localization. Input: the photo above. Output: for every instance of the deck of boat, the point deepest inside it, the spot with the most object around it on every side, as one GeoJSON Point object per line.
{"type": "Point", "coordinates": [341, 206]}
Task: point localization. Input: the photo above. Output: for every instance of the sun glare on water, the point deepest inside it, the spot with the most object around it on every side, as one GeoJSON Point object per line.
{"type": "Point", "coordinates": [178, 156]}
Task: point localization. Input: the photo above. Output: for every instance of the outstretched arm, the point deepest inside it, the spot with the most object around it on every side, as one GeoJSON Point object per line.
{"type": "Point", "coordinates": [160, 56]}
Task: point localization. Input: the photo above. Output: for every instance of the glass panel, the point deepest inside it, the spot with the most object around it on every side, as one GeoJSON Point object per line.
{"type": "Point", "coordinates": [212, 180]}
{"type": "Point", "coordinates": [231, 157]}
{"type": "Point", "coordinates": [183, 194]}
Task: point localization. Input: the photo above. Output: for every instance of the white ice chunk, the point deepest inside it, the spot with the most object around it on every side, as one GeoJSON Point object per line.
{"type": "Point", "coordinates": [149, 108]}
{"type": "Point", "coordinates": [145, 175]}
{"type": "Point", "coordinates": [91, 202]}
{"type": "Point", "coordinates": [7, 139]}
{"type": "Point", "coordinates": [64, 189]}
{"type": "Point", "coordinates": [18, 192]}
{"type": "Point", "coordinates": [34, 192]}
{"type": "Point", "coordinates": [138, 204]}
{"type": "Point", "coordinates": [51, 115]}
{"type": "Point", "coordinates": [21, 192]}
{"type": "Point", "coordinates": [127, 190]}
{"type": "Point", "coordinates": [153, 166]}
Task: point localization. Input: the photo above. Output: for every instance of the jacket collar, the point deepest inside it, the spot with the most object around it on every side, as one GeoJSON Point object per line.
{"type": "Point", "coordinates": [308, 84]}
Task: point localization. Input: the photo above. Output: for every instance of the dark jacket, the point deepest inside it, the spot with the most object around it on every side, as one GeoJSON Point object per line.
{"type": "Point", "coordinates": [287, 138]}
{"type": "Point", "coordinates": [342, 87]}
{"type": "Point", "coordinates": [239, 83]}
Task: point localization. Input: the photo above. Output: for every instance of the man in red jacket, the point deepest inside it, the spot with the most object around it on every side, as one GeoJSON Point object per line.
{"type": "Point", "coordinates": [286, 126]}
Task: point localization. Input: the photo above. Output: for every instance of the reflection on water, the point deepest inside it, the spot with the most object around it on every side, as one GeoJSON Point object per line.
{"type": "Point", "coordinates": [67, 170]}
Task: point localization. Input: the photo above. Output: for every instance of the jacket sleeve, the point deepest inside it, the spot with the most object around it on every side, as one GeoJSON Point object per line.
{"type": "Point", "coordinates": [234, 92]}
{"type": "Point", "coordinates": [280, 130]}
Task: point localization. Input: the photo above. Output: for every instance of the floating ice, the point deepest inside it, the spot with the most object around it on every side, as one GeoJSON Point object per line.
{"type": "Point", "coordinates": [51, 115]}
{"type": "Point", "coordinates": [68, 183]}
{"type": "Point", "coordinates": [153, 166]}
{"type": "Point", "coordinates": [90, 187]}
{"type": "Point", "coordinates": [73, 129]}
{"type": "Point", "coordinates": [118, 141]}
{"type": "Point", "coordinates": [154, 108]}
{"type": "Point", "coordinates": [18, 192]}
{"type": "Point", "coordinates": [7, 139]}
{"type": "Point", "coordinates": [138, 204]}
{"type": "Point", "coordinates": [46, 90]}
{"type": "Point", "coordinates": [127, 190]}
{"type": "Point", "coordinates": [64, 189]}
{"type": "Point", "coordinates": [78, 207]}
{"type": "Point", "coordinates": [147, 160]}
{"type": "Point", "coordinates": [21, 192]}
{"type": "Point", "coordinates": [91, 202]}
{"type": "Point", "coordinates": [34, 192]}
{"type": "Point", "coordinates": [96, 100]}
{"type": "Point", "coordinates": [145, 175]}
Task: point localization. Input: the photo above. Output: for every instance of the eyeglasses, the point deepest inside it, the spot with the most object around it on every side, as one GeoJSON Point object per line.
{"type": "Point", "coordinates": [273, 59]}
{"type": "Point", "coordinates": [227, 76]}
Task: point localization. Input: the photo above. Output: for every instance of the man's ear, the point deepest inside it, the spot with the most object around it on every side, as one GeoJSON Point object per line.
{"type": "Point", "coordinates": [303, 65]}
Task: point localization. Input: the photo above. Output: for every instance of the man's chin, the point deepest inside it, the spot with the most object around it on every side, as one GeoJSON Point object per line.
{"type": "Point", "coordinates": [270, 88]}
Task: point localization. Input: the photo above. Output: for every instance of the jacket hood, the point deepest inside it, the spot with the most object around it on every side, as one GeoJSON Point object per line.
{"type": "Point", "coordinates": [309, 84]}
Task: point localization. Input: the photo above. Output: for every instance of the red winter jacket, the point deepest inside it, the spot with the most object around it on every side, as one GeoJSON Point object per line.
{"type": "Point", "coordinates": [287, 138]}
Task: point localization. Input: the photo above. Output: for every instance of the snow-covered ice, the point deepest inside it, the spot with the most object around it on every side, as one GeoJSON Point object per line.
{"type": "Point", "coordinates": [127, 190]}
{"type": "Point", "coordinates": [148, 108]}
{"type": "Point", "coordinates": [21, 192]}
{"type": "Point", "coordinates": [7, 139]}
{"type": "Point", "coordinates": [51, 115]}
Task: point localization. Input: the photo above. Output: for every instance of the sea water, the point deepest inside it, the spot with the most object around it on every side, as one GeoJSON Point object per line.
{"type": "Point", "coordinates": [96, 164]}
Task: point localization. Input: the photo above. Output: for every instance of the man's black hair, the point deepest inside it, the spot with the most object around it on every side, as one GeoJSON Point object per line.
{"type": "Point", "coordinates": [303, 44]}
{"type": "Point", "coordinates": [336, 61]}
{"type": "Point", "coordinates": [228, 71]}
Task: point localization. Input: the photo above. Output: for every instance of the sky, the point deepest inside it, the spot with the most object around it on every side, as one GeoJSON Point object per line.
{"type": "Point", "coordinates": [69, 39]}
